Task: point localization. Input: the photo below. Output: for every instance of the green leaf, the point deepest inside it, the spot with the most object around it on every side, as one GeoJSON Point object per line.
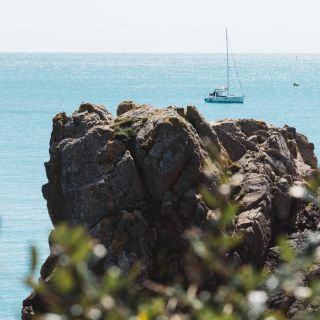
{"type": "Point", "coordinates": [63, 280]}
{"type": "Point", "coordinates": [34, 259]}
{"type": "Point", "coordinates": [286, 251]}
{"type": "Point", "coordinates": [209, 199]}
{"type": "Point", "coordinates": [81, 252]}
{"type": "Point", "coordinates": [229, 213]}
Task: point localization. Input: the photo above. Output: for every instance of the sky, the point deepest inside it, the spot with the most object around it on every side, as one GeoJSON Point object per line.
{"type": "Point", "coordinates": [255, 26]}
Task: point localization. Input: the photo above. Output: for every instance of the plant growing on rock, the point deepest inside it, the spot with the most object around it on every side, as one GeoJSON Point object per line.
{"type": "Point", "coordinates": [122, 129]}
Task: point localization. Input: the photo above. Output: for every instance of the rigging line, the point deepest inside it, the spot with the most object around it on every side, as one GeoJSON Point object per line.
{"type": "Point", "coordinates": [235, 66]}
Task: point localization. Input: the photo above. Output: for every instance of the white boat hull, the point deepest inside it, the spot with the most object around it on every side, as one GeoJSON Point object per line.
{"type": "Point", "coordinates": [225, 99]}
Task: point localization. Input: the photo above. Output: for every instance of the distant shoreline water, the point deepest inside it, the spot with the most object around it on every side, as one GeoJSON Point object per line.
{"type": "Point", "coordinates": [34, 87]}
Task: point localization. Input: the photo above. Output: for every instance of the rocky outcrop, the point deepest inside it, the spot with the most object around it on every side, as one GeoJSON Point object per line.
{"type": "Point", "coordinates": [135, 181]}
{"type": "Point", "coordinates": [291, 302]}
{"type": "Point", "coordinates": [270, 160]}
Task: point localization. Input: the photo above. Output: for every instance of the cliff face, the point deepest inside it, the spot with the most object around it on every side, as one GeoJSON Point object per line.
{"type": "Point", "coordinates": [137, 178]}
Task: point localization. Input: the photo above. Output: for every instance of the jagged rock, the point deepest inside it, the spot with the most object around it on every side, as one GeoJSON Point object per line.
{"type": "Point", "coordinates": [203, 128]}
{"type": "Point", "coordinates": [306, 151]}
{"type": "Point", "coordinates": [268, 173]}
{"type": "Point", "coordinates": [145, 163]}
{"type": "Point", "coordinates": [256, 228]}
{"type": "Point", "coordinates": [168, 148]}
{"type": "Point", "coordinates": [281, 203]}
{"type": "Point", "coordinates": [231, 140]}
{"type": "Point", "coordinates": [126, 106]}
{"type": "Point", "coordinates": [302, 242]}
{"type": "Point", "coordinates": [134, 182]}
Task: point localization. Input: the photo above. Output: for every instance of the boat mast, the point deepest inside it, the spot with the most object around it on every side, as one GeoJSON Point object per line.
{"type": "Point", "coordinates": [227, 60]}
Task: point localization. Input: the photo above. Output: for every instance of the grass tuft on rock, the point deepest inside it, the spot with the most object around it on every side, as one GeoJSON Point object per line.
{"type": "Point", "coordinates": [124, 133]}
{"type": "Point", "coordinates": [122, 128]}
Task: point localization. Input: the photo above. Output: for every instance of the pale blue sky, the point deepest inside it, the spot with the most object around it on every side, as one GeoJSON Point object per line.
{"type": "Point", "coordinates": [159, 26]}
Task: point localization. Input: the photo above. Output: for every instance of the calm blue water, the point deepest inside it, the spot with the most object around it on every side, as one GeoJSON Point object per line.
{"type": "Point", "coordinates": [34, 87]}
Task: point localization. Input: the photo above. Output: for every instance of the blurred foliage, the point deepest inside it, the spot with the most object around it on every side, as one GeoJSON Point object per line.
{"type": "Point", "coordinates": [237, 290]}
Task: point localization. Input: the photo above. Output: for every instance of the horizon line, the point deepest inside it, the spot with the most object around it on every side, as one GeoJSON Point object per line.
{"type": "Point", "coordinates": [150, 52]}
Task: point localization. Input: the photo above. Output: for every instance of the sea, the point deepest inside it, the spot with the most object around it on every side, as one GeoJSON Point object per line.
{"type": "Point", "coordinates": [34, 87]}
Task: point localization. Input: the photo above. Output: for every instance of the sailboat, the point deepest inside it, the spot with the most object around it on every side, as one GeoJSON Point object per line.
{"type": "Point", "coordinates": [223, 95]}
{"type": "Point", "coordinates": [295, 83]}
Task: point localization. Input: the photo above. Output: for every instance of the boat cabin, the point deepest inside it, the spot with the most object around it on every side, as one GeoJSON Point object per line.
{"type": "Point", "coordinates": [220, 92]}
